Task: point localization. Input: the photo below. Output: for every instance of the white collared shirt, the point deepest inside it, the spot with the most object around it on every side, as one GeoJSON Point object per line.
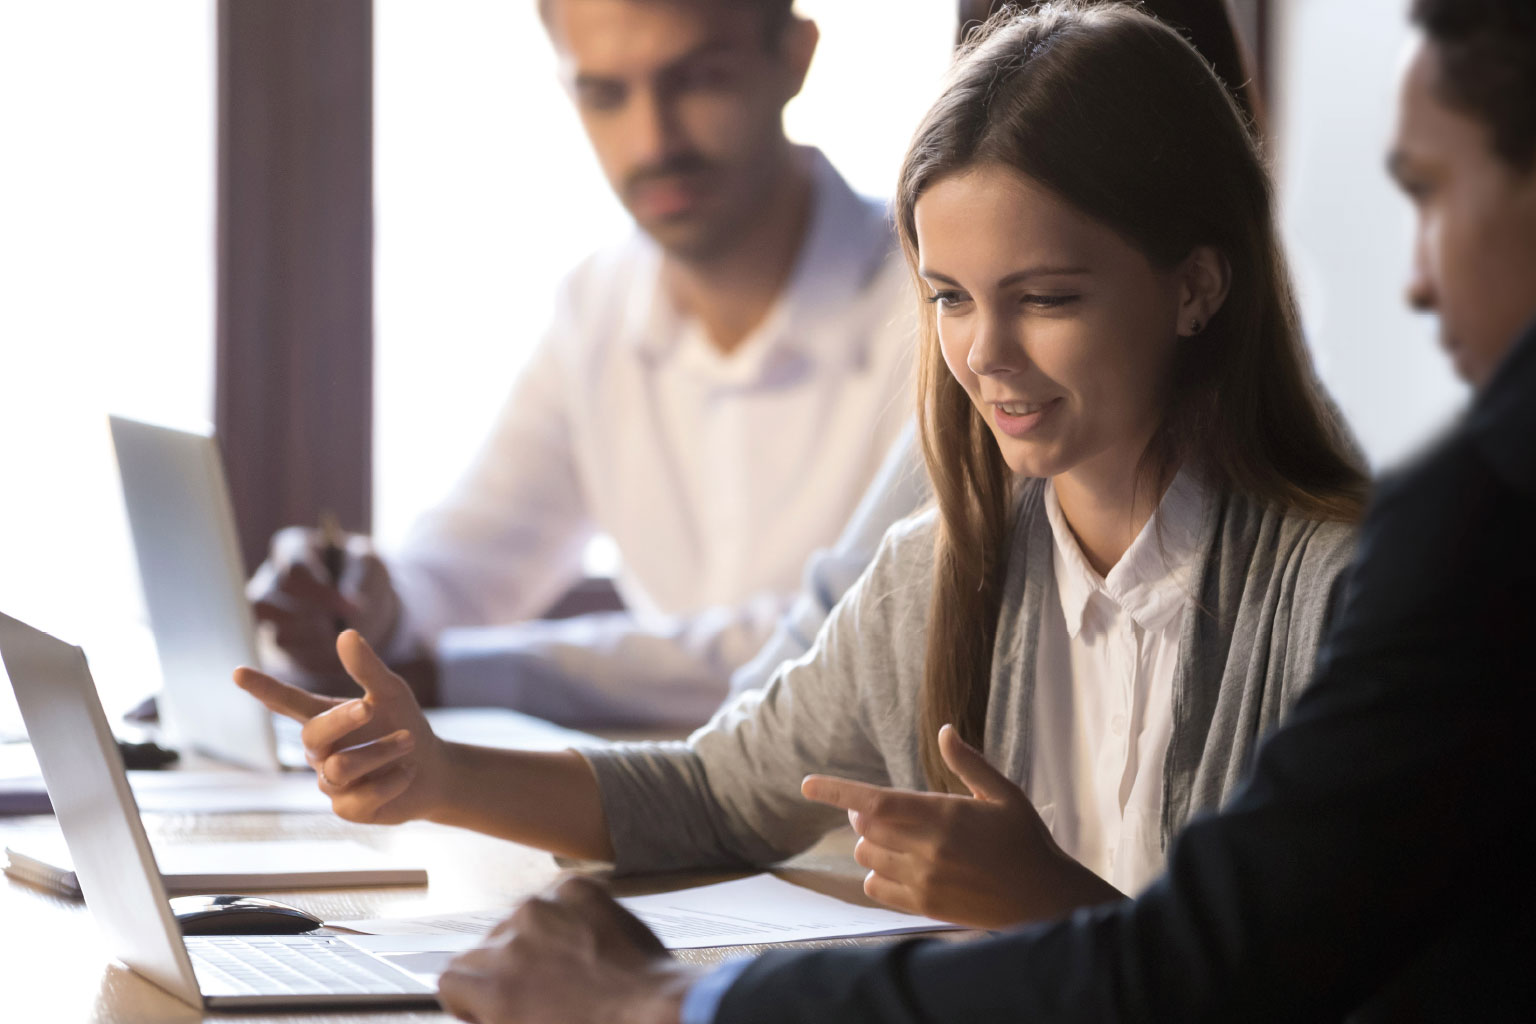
{"type": "Point", "coordinates": [1103, 702]}
{"type": "Point", "coordinates": [716, 474]}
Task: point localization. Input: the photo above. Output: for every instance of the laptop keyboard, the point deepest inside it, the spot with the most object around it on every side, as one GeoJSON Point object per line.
{"type": "Point", "coordinates": [275, 965]}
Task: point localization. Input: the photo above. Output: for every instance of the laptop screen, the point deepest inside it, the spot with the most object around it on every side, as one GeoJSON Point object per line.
{"type": "Point", "coordinates": [194, 586]}
{"type": "Point", "coordinates": [94, 805]}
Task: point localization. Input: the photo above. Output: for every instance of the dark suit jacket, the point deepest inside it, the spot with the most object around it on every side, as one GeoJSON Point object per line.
{"type": "Point", "coordinates": [1381, 860]}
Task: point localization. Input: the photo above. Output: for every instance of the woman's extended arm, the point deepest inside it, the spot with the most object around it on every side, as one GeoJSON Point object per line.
{"type": "Point", "coordinates": [379, 761]}
{"type": "Point", "coordinates": [730, 795]}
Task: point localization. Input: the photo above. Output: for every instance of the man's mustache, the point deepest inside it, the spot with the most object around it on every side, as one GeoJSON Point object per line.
{"type": "Point", "coordinates": [682, 165]}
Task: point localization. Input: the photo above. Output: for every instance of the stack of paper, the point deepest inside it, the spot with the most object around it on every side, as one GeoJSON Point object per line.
{"type": "Point", "coordinates": [763, 908]}
{"type": "Point", "coordinates": [749, 911]}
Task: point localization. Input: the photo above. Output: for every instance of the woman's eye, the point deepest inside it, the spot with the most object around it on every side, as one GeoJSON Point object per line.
{"type": "Point", "coordinates": [1048, 301]}
{"type": "Point", "coordinates": [947, 299]}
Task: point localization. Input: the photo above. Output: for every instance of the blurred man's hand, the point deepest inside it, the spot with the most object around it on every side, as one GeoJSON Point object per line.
{"type": "Point", "coordinates": [314, 585]}
{"type": "Point", "coordinates": [570, 957]}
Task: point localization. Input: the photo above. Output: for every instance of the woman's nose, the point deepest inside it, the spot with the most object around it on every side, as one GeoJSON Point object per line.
{"type": "Point", "coordinates": [994, 350]}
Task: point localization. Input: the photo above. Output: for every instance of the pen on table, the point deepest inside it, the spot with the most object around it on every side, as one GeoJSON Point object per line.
{"type": "Point", "coordinates": [333, 556]}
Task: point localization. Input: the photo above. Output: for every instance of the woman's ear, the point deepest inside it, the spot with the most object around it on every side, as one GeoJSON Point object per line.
{"type": "Point", "coordinates": [1205, 278]}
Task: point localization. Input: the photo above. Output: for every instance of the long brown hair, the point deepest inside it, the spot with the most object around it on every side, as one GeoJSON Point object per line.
{"type": "Point", "coordinates": [1115, 113]}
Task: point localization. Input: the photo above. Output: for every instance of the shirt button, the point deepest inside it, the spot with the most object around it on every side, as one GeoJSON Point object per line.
{"type": "Point", "coordinates": [1117, 725]}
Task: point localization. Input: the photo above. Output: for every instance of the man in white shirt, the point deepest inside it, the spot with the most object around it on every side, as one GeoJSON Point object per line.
{"type": "Point", "coordinates": [715, 393]}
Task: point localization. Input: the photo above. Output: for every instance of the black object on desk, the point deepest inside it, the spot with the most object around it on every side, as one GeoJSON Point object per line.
{"type": "Point", "coordinates": [27, 794]}
{"type": "Point", "coordinates": [139, 756]}
{"type": "Point", "coordinates": [240, 915]}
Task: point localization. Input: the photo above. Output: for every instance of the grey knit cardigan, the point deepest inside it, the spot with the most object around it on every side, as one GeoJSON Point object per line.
{"type": "Point", "coordinates": [730, 794]}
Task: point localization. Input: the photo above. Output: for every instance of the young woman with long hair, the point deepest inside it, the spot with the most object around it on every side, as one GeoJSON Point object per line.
{"type": "Point", "coordinates": [1142, 507]}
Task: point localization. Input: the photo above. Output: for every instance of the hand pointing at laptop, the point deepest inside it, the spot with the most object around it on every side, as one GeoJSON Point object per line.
{"type": "Point", "coordinates": [380, 763]}
{"type": "Point", "coordinates": [376, 756]}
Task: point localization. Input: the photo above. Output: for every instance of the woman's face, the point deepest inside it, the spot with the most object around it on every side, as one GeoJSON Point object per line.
{"type": "Point", "coordinates": [1060, 331]}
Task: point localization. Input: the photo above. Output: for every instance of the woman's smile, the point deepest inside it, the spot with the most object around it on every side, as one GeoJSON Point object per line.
{"type": "Point", "coordinates": [1018, 419]}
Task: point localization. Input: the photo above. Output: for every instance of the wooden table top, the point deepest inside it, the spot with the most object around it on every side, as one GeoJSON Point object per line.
{"type": "Point", "coordinates": [54, 965]}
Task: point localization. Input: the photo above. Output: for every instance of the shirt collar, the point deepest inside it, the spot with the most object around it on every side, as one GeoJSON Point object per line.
{"type": "Point", "coordinates": [1150, 583]}
{"type": "Point", "coordinates": [847, 242]}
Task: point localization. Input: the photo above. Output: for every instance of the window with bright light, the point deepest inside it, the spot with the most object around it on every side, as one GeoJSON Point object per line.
{"type": "Point", "coordinates": [106, 298]}
{"type": "Point", "coordinates": [487, 193]}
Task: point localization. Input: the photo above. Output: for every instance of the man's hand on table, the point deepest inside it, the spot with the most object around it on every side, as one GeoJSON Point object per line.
{"type": "Point", "coordinates": [571, 956]}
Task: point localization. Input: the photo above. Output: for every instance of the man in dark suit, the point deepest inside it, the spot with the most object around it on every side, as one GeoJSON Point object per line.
{"type": "Point", "coordinates": [1378, 865]}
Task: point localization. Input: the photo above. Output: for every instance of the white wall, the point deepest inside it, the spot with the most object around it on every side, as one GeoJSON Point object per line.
{"type": "Point", "coordinates": [1348, 229]}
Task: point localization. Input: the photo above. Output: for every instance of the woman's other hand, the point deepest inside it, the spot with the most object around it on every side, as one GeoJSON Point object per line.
{"type": "Point", "coordinates": [984, 860]}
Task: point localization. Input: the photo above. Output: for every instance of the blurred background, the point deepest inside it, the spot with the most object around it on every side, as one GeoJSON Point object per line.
{"type": "Point", "coordinates": [334, 230]}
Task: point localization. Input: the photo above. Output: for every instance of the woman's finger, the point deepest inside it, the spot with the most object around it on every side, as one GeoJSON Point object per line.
{"type": "Point", "coordinates": [363, 801]}
{"type": "Point", "coordinates": [329, 730]}
{"type": "Point", "coordinates": [984, 781]}
{"type": "Point", "coordinates": [869, 800]}
{"type": "Point", "coordinates": [289, 701]}
{"type": "Point", "coordinates": [894, 865]}
{"type": "Point", "coordinates": [368, 670]}
{"type": "Point", "coordinates": [892, 894]}
{"type": "Point", "coordinates": [345, 767]}
{"type": "Point", "coordinates": [905, 835]}
{"type": "Point", "coordinates": [846, 794]}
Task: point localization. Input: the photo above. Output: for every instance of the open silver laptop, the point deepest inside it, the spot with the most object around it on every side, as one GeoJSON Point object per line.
{"type": "Point", "coordinates": [193, 579]}
{"type": "Point", "coordinates": [183, 526]}
{"type": "Point", "coordinates": [121, 882]}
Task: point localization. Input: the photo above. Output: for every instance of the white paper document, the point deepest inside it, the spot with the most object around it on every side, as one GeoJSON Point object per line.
{"type": "Point", "coordinates": [473, 923]}
{"type": "Point", "coordinates": [759, 909]}
{"type": "Point", "coordinates": [763, 908]}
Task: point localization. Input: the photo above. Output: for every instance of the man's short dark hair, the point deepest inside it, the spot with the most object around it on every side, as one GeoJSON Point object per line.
{"type": "Point", "coordinates": [775, 14]}
{"type": "Point", "coordinates": [1488, 66]}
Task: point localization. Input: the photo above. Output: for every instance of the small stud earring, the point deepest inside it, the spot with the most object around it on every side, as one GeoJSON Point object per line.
{"type": "Point", "coordinates": [1194, 326]}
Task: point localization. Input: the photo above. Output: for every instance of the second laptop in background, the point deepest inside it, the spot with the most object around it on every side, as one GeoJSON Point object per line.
{"type": "Point", "coordinates": [183, 525]}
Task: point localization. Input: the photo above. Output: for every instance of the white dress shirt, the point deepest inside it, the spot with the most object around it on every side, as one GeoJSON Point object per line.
{"type": "Point", "coordinates": [716, 475]}
{"type": "Point", "coordinates": [900, 488]}
{"type": "Point", "coordinates": [1103, 702]}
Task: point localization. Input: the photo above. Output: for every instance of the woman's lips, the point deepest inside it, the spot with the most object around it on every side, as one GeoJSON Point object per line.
{"type": "Point", "coordinates": [1016, 419]}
